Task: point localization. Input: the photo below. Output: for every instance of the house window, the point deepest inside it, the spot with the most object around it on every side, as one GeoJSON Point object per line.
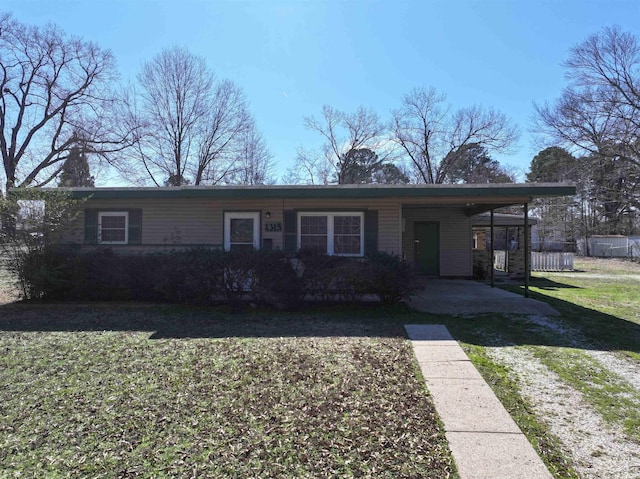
{"type": "Point", "coordinates": [113, 227]}
{"type": "Point", "coordinates": [241, 231]}
{"type": "Point", "coordinates": [314, 233]}
{"type": "Point", "coordinates": [332, 233]}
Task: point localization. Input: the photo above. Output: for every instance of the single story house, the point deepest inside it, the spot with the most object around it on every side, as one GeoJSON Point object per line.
{"type": "Point", "coordinates": [429, 225]}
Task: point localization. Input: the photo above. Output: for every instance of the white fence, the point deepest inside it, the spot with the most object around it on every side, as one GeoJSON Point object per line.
{"type": "Point", "coordinates": [551, 261]}
{"type": "Point", "coordinates": [539, 261]}
{"type": "Point", "coordinates": [500, 260]}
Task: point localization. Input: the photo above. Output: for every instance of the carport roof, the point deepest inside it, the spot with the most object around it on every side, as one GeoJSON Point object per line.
{"type": "Point", "coordinates": [508, 193]}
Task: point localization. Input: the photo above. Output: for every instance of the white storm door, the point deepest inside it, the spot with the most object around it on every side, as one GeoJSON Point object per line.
{"type": "Point", "coordinates": [241, 230]}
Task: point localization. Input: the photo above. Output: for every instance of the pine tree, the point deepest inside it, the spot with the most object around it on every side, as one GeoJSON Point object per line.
{"type": "Point", "coordinates": [75, 170]}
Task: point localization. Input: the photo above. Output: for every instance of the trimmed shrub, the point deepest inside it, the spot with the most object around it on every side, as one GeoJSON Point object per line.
{"type": "Point", "coordinates": [351, 279]}
{"type": "Point", "coordinates": [276, 282]}
{"type": "Point", "coordinates": [318, 273]}
{"type": "Point", "coordinates": [203, 276]}
{"type": "Point", "coordinates": [106, 276]}
{"type": "Point", "coordinates": [45, 273]}
{"type": "Point", "coordinates": [392, 278]}
{"type": "Point", "coordinates": [479, 269]}
{"type": "Point", "coordinates": [194, 276]}
{"type": "Point", "coordinates": [239, 278]}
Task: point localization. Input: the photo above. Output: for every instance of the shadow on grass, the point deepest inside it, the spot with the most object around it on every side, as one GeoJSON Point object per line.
{"type": "Point", "coordinates": [171, 321]}
{"type": "Point", "coordinates": [549, 285]}
{"type": "Point", "coordinates": [576, 327]}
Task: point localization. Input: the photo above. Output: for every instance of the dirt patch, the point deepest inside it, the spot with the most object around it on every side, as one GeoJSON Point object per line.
{"type": "Point", "coordinates": [603, 275]}
{"type": "Point", "coordinates": [604, 265]}
{"type": "Point", "coordinates": [599, 450]}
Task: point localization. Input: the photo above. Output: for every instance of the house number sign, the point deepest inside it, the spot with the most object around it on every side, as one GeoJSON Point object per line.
{"type": "Point", "coordinates": [273, 226]}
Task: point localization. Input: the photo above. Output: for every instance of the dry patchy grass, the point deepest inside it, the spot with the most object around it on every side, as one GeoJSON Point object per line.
{"type": "Point", "coordinates": [124, 394]}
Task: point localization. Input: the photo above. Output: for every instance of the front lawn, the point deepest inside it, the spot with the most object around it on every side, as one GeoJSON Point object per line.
{"type": "Point", "coordinates": [151, 392]}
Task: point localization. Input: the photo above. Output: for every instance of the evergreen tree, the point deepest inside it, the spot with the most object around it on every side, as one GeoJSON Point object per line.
{"type": "Point", "coordinates": [471, 164]}
{"type": "Point", "coordinates": [361, 166]}
{"type": "Point", "coordinates": [176, 180]}
{"type": "Point", "coordinates": [75, 170]}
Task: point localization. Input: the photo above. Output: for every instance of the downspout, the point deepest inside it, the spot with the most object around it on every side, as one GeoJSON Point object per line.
{"type": "Point", "coordinates": [492, 254]}
{"type": "Point", "coordinates": [527, 254]}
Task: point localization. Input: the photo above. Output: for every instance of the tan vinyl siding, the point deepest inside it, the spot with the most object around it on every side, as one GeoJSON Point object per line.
{"type": "Point", "coordinates": [455, 238]}
{"type": "Point", "coordinates": [187, 221]}
{"type": "Point", "coordinates": [199, 221]}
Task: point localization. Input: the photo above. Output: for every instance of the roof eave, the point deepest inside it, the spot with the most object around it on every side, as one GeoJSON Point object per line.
{"type": "Point", "coordinates": [520, 190]}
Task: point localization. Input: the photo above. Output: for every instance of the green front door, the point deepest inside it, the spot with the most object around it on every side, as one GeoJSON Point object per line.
{"type": "Point", "coordinates": [427, 248]}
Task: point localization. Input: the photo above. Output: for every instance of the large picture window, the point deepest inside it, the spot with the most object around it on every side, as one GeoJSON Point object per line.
{"type": "Point", "coordinates": [331, 233]}
{"type": "Point", "coordinates": [113, 227]}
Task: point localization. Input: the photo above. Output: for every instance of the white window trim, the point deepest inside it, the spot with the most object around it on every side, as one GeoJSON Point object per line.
{"type": "Point", "coordinates": [102, 214]}
{"type": "Point", "coordinates": [330, 232]}
{"type": "Point", "coordinates": [229, 215]}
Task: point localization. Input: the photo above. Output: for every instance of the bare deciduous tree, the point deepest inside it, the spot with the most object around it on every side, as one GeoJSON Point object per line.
{"type": "Point", "coordinates": [598, 117]}
{"type": "Point", "coordinates": [195, 126]}
{"type": "Point", "coordinates": [599, 111]}
{"type": "Point", "coordinates": [175, 88]}
{"type": "Point", "coordinates": [434, 137]}
{"type": "Point", "coordinates": [253, 165]}
{"type": "Point", "coordinates": [227, 128]}
{"type": "Point", "coordinates": [55, 95]}
{"type": "Point", "coordinates": [345, 133]}
{"type": "Point", "coordinates": [310, 168]}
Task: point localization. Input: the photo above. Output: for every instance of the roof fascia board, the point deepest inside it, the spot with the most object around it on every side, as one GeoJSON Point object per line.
{"type": "Point", "coordinates": [470, 192]}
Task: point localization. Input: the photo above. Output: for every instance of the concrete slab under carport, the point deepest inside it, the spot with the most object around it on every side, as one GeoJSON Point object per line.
{"type": "Point", "coordinates": [485, 441]}
{"type": "Point", "coordinates": [465, 297]}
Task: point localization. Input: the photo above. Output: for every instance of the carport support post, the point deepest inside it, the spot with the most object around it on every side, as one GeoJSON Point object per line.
{"type": "Point", "coordinates": [492, 254]}
{"type": "Point", "coordinates": [527, 254]}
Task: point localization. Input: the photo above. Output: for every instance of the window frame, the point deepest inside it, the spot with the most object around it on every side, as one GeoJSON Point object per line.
{"type": "Point", "coordinates": [229, 215]}
{"type": "Point", "coordinates": [102, 214]}
{"type": "Point", "coordinates": [330, 215]}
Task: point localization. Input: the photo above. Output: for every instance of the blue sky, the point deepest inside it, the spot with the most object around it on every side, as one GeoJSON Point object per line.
{"type": "Point", "coordinates": [291, 57]}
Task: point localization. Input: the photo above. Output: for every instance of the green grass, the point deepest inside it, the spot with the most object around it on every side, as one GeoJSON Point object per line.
{"type": "Point", "coordinates": [601, 302]}
{"type": "Point", "coordinates": [151, 392]}
{"type": "Point", "coordinates": [617, 402]}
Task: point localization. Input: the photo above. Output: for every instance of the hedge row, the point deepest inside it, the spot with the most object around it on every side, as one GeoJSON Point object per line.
{"type": "Point", "coordinates": [207, 276]}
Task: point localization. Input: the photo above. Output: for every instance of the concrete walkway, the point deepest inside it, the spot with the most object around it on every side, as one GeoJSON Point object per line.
{"type": "Point", "coordinates": [486, 443]}
{"type": "Point", "coordinates": [452, 296]}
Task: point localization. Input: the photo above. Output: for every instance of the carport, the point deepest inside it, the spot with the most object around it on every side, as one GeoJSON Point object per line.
{"type": "Point", "coordinates": [436, 231]}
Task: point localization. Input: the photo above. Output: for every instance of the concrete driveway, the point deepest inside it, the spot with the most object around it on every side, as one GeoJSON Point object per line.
{"type": "Point", "coordinates": [452, 296]}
